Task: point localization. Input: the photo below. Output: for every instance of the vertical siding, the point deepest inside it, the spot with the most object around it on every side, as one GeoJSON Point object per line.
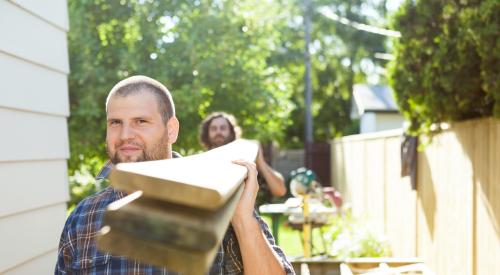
{"type": "Point", "coordinates": [359, 174]}
{"type": "Point", "coordinates": [356, 158]}
{"type": "Point", "coordinates": [452, 221]}
{"type": "Point", "coordinates": [33, 108]}
{"type": "Point", "coordinates": [445, 228]}
{"type": "Point", "coordinates": [373, 183]}
{"type": "Point", "coordinates": [400, 203]}
{"type": "Point", "coordinates": [338, 179]}
{"type": "Point", "coordinates": [487, 198]}
{"type": "Point", "coordinates": [374, 189]}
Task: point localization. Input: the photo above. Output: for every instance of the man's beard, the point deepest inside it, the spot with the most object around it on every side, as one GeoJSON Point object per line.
{"type": "Point", "coordinates": [158, 151]}
{"type": "Point", "coordinates": [217, 141]}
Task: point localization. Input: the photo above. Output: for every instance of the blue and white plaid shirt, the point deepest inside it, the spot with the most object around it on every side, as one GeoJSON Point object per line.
{"type": "Point", "coordinates": [78, 252]}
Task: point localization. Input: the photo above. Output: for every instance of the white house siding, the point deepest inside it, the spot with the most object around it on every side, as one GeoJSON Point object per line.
{"type": "Point", "coordinates": [33, 135]}
{"type": "Point", "coordinates": [379, 121]}
{"type": "Point", "coordinates": [389, 121]}
{"type": "Point", "coordinates": [368, 122]}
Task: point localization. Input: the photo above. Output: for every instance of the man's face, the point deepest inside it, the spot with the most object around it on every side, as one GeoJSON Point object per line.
{"type": "Point", "coordinates": [219, 132]}
{"type": "Point", "coordinates": [136, 131]}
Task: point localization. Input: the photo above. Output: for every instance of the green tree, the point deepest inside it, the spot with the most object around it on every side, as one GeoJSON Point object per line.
{"type": "Point", "coordinates": [219, 58]}
{"type": "Point", "coordinates": [447, 61]}
{"type": "Point", "coordinates": [341, 56]}
{"type": "Point", "coordinates": [211, 55]}
{"type": "Point", "coordinates": [243, 57]}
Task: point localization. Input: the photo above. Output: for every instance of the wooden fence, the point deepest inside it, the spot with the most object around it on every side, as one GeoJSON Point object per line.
{"type": "Point", "coordinates": [452, 219]}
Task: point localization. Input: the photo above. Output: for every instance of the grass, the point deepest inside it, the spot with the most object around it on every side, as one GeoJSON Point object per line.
{"type": "Point", "coordinates": [347, 237]}
{"type": "Point", "coordinates": [290, 239]}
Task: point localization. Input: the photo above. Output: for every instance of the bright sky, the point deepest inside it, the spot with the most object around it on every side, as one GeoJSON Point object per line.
{"type": "Point", "coordinates": [392, 5]}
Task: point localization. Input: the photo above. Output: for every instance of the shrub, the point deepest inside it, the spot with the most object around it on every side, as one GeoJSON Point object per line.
{"type": "Point", "coordinates": [447, 63]}
{"type": "Point", "coordinates": [352, 238]}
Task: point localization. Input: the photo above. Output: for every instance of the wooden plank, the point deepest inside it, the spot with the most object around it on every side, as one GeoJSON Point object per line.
{"type": "Point", "coordinates": [35, 136]}
{"type": "Point", "coordinates": [189, 262]}
{"type": "Point", "coordinates": [355, 156]}
{"type": "Point", "coordinates": [447, 203]}
{"type": "Point", "coordinates": [31, 38]}
{"type": "Point", "coordinates": [369, 263]}
{"type": "Point", "coordinates": [373, 185]}
{"type": "Point", "coordinates": [47, 182]}
{"type": "Point", "coordinates": [458, 202]}
{"type": "Point", "coordinates": [202, 192]}
{"type": "Point", "coordinates": [487, 183]}
{"type": "Point", "coordinates": [43, 264]}
{"type": "Point", "coordinates": [171, 224]}
{"type": "Point", "coordinates": [317, 266]}
{"type": "Point", "coordinates": [168, 235]}
{"type": "Point", "coordinates": [338, 177]}
{"type": "Point", "coordinates": [56, 13]}
{"type": "Point", "coordinates": [30, 234]}
{"type": "Point", "coordinates": [205, 180]}
{"type": "Point", "coordinates": [27, 86]}
{"type": "Point", "coordinates": [388, 260]}
{"type": "Point", "coordinates": [368, 136]}
{"type": "Point", "coordinates": [400, 203]}
{"type": "Point", "coordinates": [426, 207]}
{"type": "Point", "coordinates": [455, 199]}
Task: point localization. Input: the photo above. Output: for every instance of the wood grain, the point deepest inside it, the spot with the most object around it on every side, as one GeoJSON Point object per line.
{"type": "Point", "coordinates": [178, 209]}
{"type": "Point", "coordinates": [205, 180]}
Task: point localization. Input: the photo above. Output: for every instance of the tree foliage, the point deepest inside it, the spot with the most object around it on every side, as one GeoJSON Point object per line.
{"type": "Point", "coordinates": [447, 61]}
{"type": "Point", "coordinates": [341, 56]}
{"type": "Point", "coordinates": [244, 57]}
{"type": "Point", "coordinates": [210, 54]}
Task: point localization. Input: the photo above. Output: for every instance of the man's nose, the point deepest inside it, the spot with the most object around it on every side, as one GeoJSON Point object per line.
{"type": "Point", "coordinates": [127, 132]}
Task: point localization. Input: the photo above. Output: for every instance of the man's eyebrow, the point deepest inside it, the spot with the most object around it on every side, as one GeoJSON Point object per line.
{"type": "Point", "coordinates": [133, 118]}
{"type": "Point", "coordinates": [142, 117]}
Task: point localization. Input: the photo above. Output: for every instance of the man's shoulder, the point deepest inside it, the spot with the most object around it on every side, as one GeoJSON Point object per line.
{"type": "Point", "coordinates": [97, 202]}
{"type": "Point", "coordinates": [86, 219]}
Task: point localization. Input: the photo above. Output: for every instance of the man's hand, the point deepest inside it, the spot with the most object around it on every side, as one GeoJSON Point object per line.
{"type": "Point", "coordinates": [246, 205]}
{"type": "Point", "coordinates": [257, 254]}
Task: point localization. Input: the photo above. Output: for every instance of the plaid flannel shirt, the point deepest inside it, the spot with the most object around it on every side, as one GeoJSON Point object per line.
{"type": "Point", "coordinates": [78, 252]}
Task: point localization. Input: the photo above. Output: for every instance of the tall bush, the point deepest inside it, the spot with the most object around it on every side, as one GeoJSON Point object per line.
{"type": "Point", "coordinates": [447, 65]}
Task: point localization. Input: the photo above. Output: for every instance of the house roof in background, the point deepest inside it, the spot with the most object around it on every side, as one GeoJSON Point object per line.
{"type": "Point", "coordinates": [378, 99]}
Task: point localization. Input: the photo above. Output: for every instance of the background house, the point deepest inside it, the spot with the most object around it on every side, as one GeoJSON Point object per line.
{"type": "Point", "coordinates": [34, 138]}
{"type": "Point", "coordinates": [376, 109]}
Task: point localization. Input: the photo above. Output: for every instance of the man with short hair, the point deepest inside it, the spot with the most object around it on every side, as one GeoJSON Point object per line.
{"type": "Point", "coordinates": [141, 126]}
{"type": "Point", "coordinates": [220, 128]}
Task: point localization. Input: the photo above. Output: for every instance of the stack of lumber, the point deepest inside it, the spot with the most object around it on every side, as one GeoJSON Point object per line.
{"type": "Point", "coordinates": [177, 210]}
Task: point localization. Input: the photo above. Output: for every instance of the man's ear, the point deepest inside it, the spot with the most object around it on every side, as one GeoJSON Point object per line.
{"type": "Point", "coordinates": [172, 129]}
